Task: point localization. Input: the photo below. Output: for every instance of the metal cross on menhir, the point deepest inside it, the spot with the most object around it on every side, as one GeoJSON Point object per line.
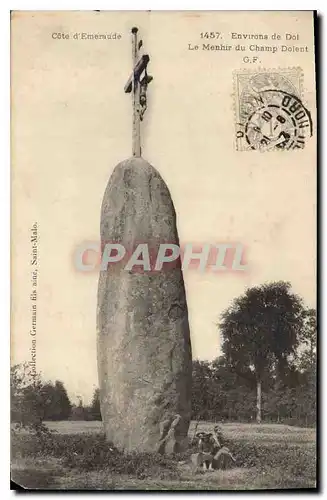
{"type": "Point", "coordinates": [137, 84]}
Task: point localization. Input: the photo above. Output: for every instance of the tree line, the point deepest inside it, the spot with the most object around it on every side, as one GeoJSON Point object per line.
{"type": "Point", "coordinates": [266, 371]}
{"type": "Point", "coordinates": [34, 401]}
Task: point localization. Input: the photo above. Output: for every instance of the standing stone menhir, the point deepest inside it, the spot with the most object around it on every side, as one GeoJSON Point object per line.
{"type": "Point", "coordinates": [143, 338]}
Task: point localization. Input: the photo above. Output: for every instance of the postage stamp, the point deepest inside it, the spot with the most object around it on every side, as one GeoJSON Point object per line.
{"type": "Point", "coordinates": [269, 112]}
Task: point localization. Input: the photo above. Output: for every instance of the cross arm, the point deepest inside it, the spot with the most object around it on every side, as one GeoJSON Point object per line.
{"type": "Point", "coordinates": [138, 70]}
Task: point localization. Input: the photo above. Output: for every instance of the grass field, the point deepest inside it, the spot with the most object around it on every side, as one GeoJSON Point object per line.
{"type": "Point", "coordinates": [268, 456]}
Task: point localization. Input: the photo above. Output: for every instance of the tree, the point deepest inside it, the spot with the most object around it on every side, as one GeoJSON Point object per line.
{"type": "Point", "coordinates": [260, 330]}
{"type": "Point", "coordinates": [33, 401]}
{"type": "Point", "coordinates": [306, 361]}
{"type": "Point", "coordinates": [232, 394]}
{"type": "Point", "coordinates": [63, 402]}
{"type": "Point", "coordinates": [308, 338]}
{"type": "Point", "coordinates": [79, 412]}
{"type": "Point", "coordinates": [95, 406]}
{"type": "Point", "coordinates": [27, 399]}
{"type": "Point", "coordinates": [218, 393]}
{"type": "Point", "coordinates": [201, 378]}
{"type": "Point", "coordinates": [57, 405]}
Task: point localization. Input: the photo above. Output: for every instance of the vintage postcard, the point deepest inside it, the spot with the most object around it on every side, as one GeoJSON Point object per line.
{"type": "Point", "coordinates": [163, 310]}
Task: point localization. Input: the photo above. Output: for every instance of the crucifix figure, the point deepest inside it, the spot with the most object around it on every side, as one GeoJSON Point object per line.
{"type": "Point", "coordinates": [137, 85]}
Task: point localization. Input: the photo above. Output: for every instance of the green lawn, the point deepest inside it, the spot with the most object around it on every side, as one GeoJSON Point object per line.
{"type": "Point", "coordinates": [269, 456]}
{"type": "Point", "coordinates": [75, 427]}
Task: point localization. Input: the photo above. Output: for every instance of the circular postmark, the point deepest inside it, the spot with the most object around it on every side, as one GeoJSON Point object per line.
{"type": "Point", "coordinates": [279, 122]}
{"type": "Point", "coordinates": [257, 84]}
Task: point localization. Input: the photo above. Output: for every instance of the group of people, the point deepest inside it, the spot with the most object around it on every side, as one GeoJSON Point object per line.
{"type": "Point", "coordinates": [212, 450]}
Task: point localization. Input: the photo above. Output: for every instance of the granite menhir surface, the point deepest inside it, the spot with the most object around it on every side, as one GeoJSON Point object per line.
{"type": "Point", "coordinates": [143, 338]}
